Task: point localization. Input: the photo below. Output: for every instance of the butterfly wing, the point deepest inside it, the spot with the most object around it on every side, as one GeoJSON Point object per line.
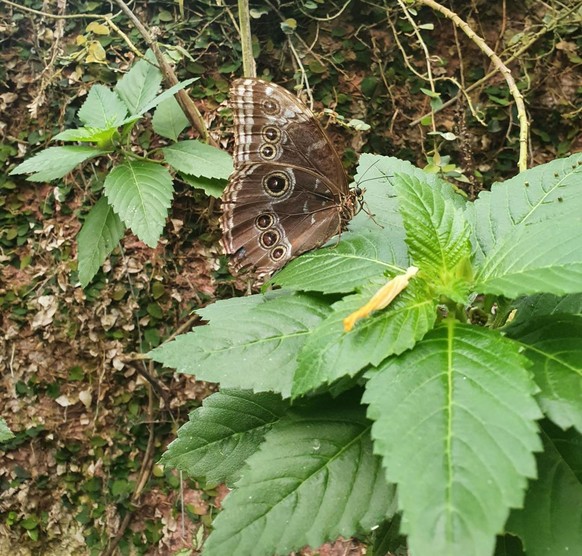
{"type": "Point", "coordinates": [288, 190]}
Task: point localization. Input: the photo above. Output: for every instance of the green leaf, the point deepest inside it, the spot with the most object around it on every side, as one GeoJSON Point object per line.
{"type": "Point", "coordinates": [252, 345]}
{"type": "Point", "coordinates": [437, 233]}
{"type": "Point", "coordinates": [455, 426]}
{"type": "Point", "coordinates": [103, 109]}
{"type": "Point", "coordinates": [102, 137]}
{"type": "Point", "coordinates": [546, 304]}
{"type": "Point", "coordinates": [199, 159]}
{"type": "Point", "coordinates": [330, 353]}
{"type": "Point", "coordinates": [554, 345]}
{"type": "Point", "coordinates": [141, 193]}
{"type": "Point", "coordinates": [222, 434]}
{"type": "Point", "coordinates": [55, 162]}
{"type": "Point", "coordinates": [314, 478]}
{"type": "Point", "coordinates": [140, 84]}
{"type": "Point", "coordinates": [538, 258]}
{"type": "Point", "coordinates": [347, 265]}
{"type": "Point", "coordinates": [5, 432]}
{"type": "Point", "coordinates": [99, 235]}
{"type": "Point", "coordinates": [549, 191]}
{"type": "Point", "coordinates": [169, 120]}
{"type": "Point", "coordinates": [212, 188]}
{"type": "Point", "coordinates": [551, 519]}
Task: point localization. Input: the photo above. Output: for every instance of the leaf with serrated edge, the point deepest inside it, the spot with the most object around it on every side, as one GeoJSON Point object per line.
{"type": "Point", "coordinates": [554, 345]}
{"type": "Point", "coordinates": [222, 434]}
{"type": "Point", "coordinates": [169, 119]}
{"type": "Point", "coordinates": [455, 426]}
{"type": "Point", "coordinates": [548, 191]}
{"type": "Point", "coordinates": [546, 304]}
{"type": "Point", "coordinates": [5, 432]}
{"type": "Point", "coordinates": [103, 108]}
{"type": "Point", "coordinates": [550, 522]}
{"type": "Point", "coordinates": [212, 188]}
{"type": "Point", "coordinates": [140, 84]}
{"type": "Point", "coordinates": [141, 193]}
{"type": "Point", "coordinates": [437, 233]}
{"type": "Point", "coordinates": [87, 135]}
{"type": "Point", "coordinates": [55, 162]}
{"type": "Point", "coordinates": [539, 258]}
{"type": "Point", "coordinates": [253, 347]}
{"type": "Point", "coordinates": [330, 353]}
{"type": "Point", "coordinates": [314, 478]}
{"type": "Point", "coordinates": [345, 266]}
{"type": "Point", "coordinates": [199, 159]}
{"type": "Point", "coordinates": [99, 235]}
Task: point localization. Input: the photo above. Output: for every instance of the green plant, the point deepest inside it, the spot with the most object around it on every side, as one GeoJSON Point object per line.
{"type": "Point", "coordinates": [137, 188]}
{"type": "Point", "coordinates": [455, 406]}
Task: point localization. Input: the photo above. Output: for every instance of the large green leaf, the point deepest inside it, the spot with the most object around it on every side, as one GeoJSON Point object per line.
{"type": "Point", "coordinates": [546, 304]}
{"type": "Point", "coordinates": [141, 193]}
{"type": "Point", "coordinates": [99, 235]}
{"type": "Point", "coordinates": [330, 353]}
{"type": "Point", "coordinates": [199, 159]}
{"type": "Point", "coordinates": [554, 344]}
{"type": "Point", "coordinates": [314, 478]}
{"type": "Point", "coordinates": [538, 258]}
{"type": "Point", "coordinates": [211, 187]}
{"type": "Point", "coordinates": [357, 258]}
{"type": "Point", "coordinates": [222, 434]}
{"type": "Point", "coordinates": [436, 230]}
{"type": "Point", "coordinates": [549, 191]}
{"type": "Point", "coordinates": [251, 345]}
{"type": "Point", "coordinates": [169, 119]}
{"type": "Point", "coordinates": [55, 162]}
{"type": "Point", "coordinates": [551, 519]}
{"type": "Point", "coordinates": [140, 84]}
{"type": "Point", "coordinates": [88, 135]}
{"type": "Point", "coordinates": [455, 426]}
{"type": "Point", "coordinates": [103, 108]}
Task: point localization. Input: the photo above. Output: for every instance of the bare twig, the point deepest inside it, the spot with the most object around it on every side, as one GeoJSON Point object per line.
{"type": "Point", "coordinates": [249, 67]}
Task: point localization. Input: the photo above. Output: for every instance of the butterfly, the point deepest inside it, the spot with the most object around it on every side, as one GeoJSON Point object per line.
{"type": "Point", "coordinates": [289, 192]}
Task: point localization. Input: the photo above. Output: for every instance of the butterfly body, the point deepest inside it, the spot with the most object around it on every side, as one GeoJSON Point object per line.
{"type": "Point", "coordinates": [289, 192]}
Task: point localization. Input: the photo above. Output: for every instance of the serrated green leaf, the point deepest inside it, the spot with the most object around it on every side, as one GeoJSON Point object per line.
{"type": "Point", "coordinates": [455, 426]}
{"type": "Point", "coordinates": [103, 108]}
{"type": "Point", "coordinates": [5, 432]}
{"type": "Point", "coordinates": [314, 478]}
{"type": "Point", "coordinates": [347, 265]}
{"type": "Point", "coordinates": [140, 84]}
{"type": "Point", "coordinates": [99, 235]}
{"type": "Point", "coordinates": [141, 193]}
{"type": "Point", "coordinates": [55, 162]}
{"type": "Point", "coordinates": [553, 190]}
{"type": "Point", "coordinates": [546, 304]}
{"type": "Point", "coordinates": [551, 519]}
{"type": "Point", "coordinates": [222, 434]}
{"type": "Point", "coordinates": [169, 120]}
{"type": "Point", "coordinates": [437, 233]}
{"type": "Point", "coordinates": [251, 346]}
{"type": "Point", "coordinates": [212, 188]}
{"type": "Point", "coordinates": [554, 345]}
{"type": "Point", "coordinates": [199, 159]}
{"type": "Point", "coordinates": [537, 258]}
{"type": "Point", "coordinates": [88, 135]}
{"type": "Point", "coordinates": [330, 353]}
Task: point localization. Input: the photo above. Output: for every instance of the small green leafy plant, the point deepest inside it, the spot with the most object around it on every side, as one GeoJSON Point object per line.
{"type": "Point", "coordinates": [137, 189]}
{"type": "Point", "coordinates": [456, 411]}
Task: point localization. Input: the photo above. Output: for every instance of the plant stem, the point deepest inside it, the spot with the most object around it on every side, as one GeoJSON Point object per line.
{"type": "Point", "coordinates": [249, 67]}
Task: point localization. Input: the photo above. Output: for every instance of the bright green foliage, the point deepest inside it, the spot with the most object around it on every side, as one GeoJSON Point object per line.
{"type": "Point", "coordinates": [5, 432]}
{"type": "Point", "coordinates": [251, 347]}
{"type": "Point", "coordinates": [344, 266]}
{"type": "Point", "coordinates": [314, 478]}
{"type": "Point", "coordinates": [546, 304]}
{"type": "Point", "coordinates": [222, 434]}
{"type": "Point", "coordinates": [212, 187]}
{"type": "Point", "coordinates": [169, 120]}
{"type": "Point", "coordinates": [199, 159]}
{"type": "Point", "coordinates": [141, 193]}
{"type": "Point", "coordinates": [99, 235]}
{"type": "Point", "coordinates": [554, 345]}
{"type": "Point", "coordinates": [103, 109]}
{"type": "Point", "coordinates": [455, 426]}
{"type": "Point", "coordinates": [538, 258]}
{"type": "Point", "coordinates": [55, 162]}
{"type": "Point", "coordinates": [330, 353]}
{"type": "Point", "coordinates": [551, 519]}
{"type": "Point", "coordinates": [140, 85]}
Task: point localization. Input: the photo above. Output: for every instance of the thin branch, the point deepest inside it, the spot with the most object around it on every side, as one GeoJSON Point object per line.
{"type": "Point", "coordinates": [501, 67]}
{"type": "Point", "coordinates": [246, 41]}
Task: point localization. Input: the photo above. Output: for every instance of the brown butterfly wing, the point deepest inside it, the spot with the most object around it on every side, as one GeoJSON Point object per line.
{"type": "Point", "coordinates": [288, 192]}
